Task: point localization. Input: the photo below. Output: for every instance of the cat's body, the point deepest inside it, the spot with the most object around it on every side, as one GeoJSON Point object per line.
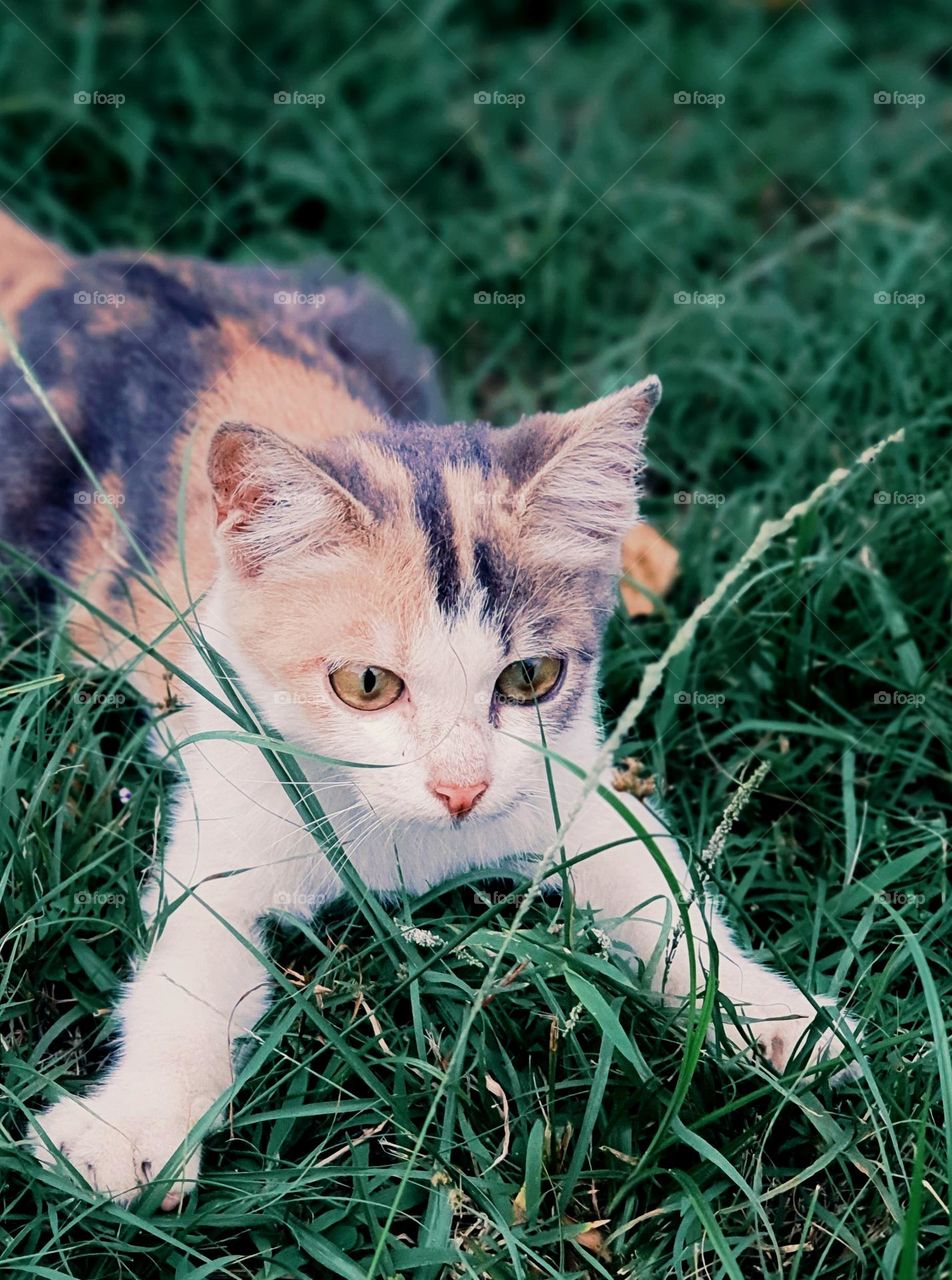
{"type": "Point", "coordinates": [144, 358]}
{"type": "Point", "coordinates": [390, 593]}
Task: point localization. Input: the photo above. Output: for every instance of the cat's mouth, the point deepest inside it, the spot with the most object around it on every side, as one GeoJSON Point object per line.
{"type": "Point", "coordinates": [474, 816]}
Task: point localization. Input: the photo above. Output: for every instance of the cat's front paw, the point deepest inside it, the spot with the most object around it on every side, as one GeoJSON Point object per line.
{"type": "Point", "coordinates": [120, 1137]}
{"type": "Point", "coordinates": [777, 1029]}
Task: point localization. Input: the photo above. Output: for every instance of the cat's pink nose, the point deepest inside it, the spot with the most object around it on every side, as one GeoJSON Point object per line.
{"type": "Point", "coordinates": [458, 800]}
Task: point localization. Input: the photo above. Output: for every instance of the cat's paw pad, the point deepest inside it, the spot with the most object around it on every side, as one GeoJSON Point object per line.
{"type": "Point", "coordinates": [778, 1031]}
{"type": "Point", "coordinates": [118, 1140]}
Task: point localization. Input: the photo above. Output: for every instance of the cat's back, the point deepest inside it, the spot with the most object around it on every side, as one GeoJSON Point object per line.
{"type": "Point", "coordinates": [142, 357]}
{"type": "Point", "coordinates": [136, 350]}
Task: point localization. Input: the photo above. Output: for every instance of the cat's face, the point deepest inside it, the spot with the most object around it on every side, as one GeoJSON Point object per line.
{"type": "Point", "coordinates": [422, 597]}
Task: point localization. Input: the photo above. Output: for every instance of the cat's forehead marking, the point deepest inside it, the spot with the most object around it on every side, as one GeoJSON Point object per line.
{"type": "Point", "coordinates": [435, 459]}
{"type": "Point", "coordinates": [439, 479]}
{"type": "Point", "coordinates": [462, 505]}
{"type": "Point", "coordinates": [451, 540]}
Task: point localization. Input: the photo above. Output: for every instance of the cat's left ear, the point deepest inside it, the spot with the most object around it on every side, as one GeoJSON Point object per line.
{"type": "Point", "coordinates": [273, 503]}
{"type": "Point", "coordinates": [575, 473]}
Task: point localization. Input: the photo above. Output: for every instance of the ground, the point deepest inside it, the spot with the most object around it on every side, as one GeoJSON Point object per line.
{"type": "Point", "coordinates": [752, 201]}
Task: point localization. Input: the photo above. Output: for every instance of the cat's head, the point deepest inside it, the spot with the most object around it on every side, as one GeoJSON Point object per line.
{"type": "Point", "coordinates": [421, 596]}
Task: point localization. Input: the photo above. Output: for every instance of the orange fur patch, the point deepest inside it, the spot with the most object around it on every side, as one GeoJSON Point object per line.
{"type": "Point", "coordinates": [28, 266]}
{"type": "Point", "coordinates": [304, 405]}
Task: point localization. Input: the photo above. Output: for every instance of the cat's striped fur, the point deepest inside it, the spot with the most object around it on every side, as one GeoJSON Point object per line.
{"type": "Point", "coordinates": [143, 358]}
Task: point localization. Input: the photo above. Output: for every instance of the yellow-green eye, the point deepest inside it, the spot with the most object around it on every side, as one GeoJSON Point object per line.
{"type": "Point", "coordinates": [528, 679]}
{"type": "Point", "coordinates": [364, 687]}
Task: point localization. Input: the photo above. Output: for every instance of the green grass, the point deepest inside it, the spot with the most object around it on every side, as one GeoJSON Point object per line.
{"type": "Point", "coordinates": [597, 199]}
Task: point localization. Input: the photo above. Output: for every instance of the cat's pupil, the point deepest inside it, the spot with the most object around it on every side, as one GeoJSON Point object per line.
{"type": "Point", "coordinates": [369, 681]}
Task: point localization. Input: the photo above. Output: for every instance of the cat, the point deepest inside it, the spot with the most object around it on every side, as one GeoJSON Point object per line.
{"type": "Point", "coordinates": [389, 591]}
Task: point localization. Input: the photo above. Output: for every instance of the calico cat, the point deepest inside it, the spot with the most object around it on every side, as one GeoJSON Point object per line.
{"type": "Point", "coordinates": [389, 591]}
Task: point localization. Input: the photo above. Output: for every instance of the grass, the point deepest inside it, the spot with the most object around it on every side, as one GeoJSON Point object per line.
{"type": "Point", "coordinates": [597, 199]}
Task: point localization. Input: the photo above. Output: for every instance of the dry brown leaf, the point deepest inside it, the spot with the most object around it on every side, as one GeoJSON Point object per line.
{"type": "Point", "coordinates": [506, 981]}
{"type": "Point", "coordinates": [365, 1136]}
{"type": "Point", "coordinates": [630, 776]}
{"type": "Point", "coordinates": [620, 1155]}
{"type": "Point", "coordinates": [647, 558]}
{"type": "Point", "coordinates": [594, 1240]}
{"type": "Point", "coordinates": [935, 1195]}
{"type": "Point", "coordinates": [556, 1153]}
{"type": "Point", "coordinates": [497, 1091]}
{"type": "Point", "coordinates": [374, 1024]}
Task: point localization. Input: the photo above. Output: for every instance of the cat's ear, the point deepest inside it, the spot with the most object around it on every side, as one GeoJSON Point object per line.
{"type": "Point", "coordinates": [273, 502]}
{"type": "Point", "coordinates": [574, 474]}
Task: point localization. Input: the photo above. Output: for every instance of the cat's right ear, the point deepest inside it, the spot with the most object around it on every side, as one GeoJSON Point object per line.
{"type": "Point", "coordinates": [574, 474]}
{"type": "Point", "coordinates": [273, 503]}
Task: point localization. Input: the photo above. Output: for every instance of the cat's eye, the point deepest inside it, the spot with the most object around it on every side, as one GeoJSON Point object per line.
{"type": "Point", "coordinates": [365, 687]}
{"type": "Point", "coordinates": [528, 680]}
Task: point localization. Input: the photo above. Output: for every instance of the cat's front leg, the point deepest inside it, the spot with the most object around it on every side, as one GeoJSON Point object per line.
{"type": "Point", "coordinates": [771, 1015]}
{"type": "Point", "coordinates": [197, 991]}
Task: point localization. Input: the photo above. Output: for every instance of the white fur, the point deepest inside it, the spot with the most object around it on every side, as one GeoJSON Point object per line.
{"type": "Point", "coordinates": [199, 988]}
